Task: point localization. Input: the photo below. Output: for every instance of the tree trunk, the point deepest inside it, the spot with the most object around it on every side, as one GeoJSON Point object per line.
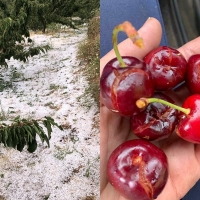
{"type": "Point", "coordinates": [44, 26]}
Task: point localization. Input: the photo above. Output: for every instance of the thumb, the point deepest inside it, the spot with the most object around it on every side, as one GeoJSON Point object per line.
{"type": "Point", "coordinates": [151, 33]}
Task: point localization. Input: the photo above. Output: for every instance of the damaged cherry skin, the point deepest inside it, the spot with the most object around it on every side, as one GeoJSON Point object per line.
{"type": "Point", "coordinates": [122, 86]}
{"type": "Point", "coordinates": [167, 66]}
{"type": "Point", "coordinates": [193, 74]}
{"type": "Point", "coordinates": [188, 126]}
{"type": "Point", "coordinates": [157, 121]}
{"type": "Point", "coordinates": [138, 170]}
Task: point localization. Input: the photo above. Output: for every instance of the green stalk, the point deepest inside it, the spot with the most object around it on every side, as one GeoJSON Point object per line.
{"type": "Point", "coordinates": [143, 102]}
{"type": "Point", "coordinates": [131, 33]}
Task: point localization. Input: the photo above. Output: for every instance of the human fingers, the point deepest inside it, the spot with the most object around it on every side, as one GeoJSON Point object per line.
{"type": "Point", "coordinates": [190, 48]}
{"type": "Point", "coordinates": [111, 123]}
{"type": "Point", "coordinates": [151, 33]}
{"type": "Point", "coordinates": [187, 50]}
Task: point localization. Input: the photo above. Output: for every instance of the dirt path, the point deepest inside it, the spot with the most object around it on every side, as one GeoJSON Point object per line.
{"type": "Point", "coordinates": [51, 85]}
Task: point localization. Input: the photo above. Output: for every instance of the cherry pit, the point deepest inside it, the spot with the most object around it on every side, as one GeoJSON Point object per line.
{"type": "Point", "coordinates": [137, 89]}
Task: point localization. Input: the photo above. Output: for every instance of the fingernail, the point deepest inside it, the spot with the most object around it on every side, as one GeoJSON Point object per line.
{"type": "Point", "coordinates": [148, 19]}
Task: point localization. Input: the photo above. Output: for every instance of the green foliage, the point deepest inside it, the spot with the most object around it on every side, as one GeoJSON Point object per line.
{"type": "Point", "coordinates": [89, 53]}
{"type": "Point", "coordinates": [17, 16]}
{"type": "Point", "coordinates": [23, 132]}
{"type": "Point", "coordinates": [14, 32]}
{"type": "Point", "coordinates": [86, 9]}
{"type": "Point", "coordinates": [94, 29]}
{"type": "Point", "coordinates": [45, 12]}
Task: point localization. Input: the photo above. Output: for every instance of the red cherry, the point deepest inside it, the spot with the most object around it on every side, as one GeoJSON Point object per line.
{"type": "Point", "coordinates": [188, 126]}
{"type": "Point", "coordinates": [167, 66]}
{"type": "Point", "coordinates": [157, 121]}
{"type": "Point", "coordinates": [138, 170]}
{"type": "Point", "coordinates": [122, 86]}
{"type": "Point", "coordinates": [126, 79]}
{"type": "Point", "coordinates": [193, 74]}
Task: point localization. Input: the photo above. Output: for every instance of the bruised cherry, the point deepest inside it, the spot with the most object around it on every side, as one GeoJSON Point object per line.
{"type": "Point", "coordinates": [188, 125]}
{"type": "Point", "coordinates": [157, 121]}
{"type": "Point", "coordinates": [138, 170]}
{"type": "Point", "coordinates": [193, 74]}
{"type": "Point", "coordinates": [125, 79]}
{"type": "Point", "coordinates": [167, 67]}
{"type": "Point", "coordinates": [122, 86]}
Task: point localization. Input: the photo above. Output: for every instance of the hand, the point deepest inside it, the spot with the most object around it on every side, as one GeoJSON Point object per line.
{"type": "Point", "coordinates": [183, 157]}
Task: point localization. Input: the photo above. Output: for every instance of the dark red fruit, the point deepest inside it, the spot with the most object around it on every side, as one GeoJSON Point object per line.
{"type": "Point", "coordinates": [167, 66]}
{"type": "Point", "coordinates": [122, 86]}
{"type": "Point", "coordinates": [157, 121]}
{"type": "Point", "coordinates": [138, 170]}
{"type": "Point", "coordinates": [193, 74]}
{"type": "Point", "coordinates": [188, 127]}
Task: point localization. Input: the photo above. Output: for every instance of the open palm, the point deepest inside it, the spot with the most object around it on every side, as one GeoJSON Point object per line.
{"type": "Point", "coordinates": [183, 157]}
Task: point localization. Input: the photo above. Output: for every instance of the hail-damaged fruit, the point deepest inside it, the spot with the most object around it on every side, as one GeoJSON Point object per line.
{"type": "Point", "coordinates": [157, 121]}
{"type": "Point", "coordinates": [125, 79]}
{"type": "Point", "coordinates": [167, 66]}
{"type": "Point", "coordinates": [189, 118]}
{"type": "Point", "coordinates": [138, 170]}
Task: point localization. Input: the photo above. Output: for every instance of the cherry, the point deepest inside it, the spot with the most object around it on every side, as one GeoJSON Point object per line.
{"type": "Point", "coordinates": [188, 125]}
{"type": "Point", "coordinates": [193, 74]}
{"type": "Point", "coordinates": [157, 121]}
{"type": "Point", "coordinates": [125, 79]}
{"type": "Point", "coordinates": [122, 86]}
{"type": "Point", "coordinates": [167, 66]}
{"type": "Point", "coordinates": [138, 170]}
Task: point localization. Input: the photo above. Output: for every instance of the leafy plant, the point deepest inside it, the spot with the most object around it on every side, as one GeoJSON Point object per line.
{"type": "Point", "coordinates": [88, 53]}
{"type": "Point", "coordinates": [66, 12]}
{"type": "Point", "coordinates": [23, 132]}
{"type": "Point", "coordinates": [14, 33]}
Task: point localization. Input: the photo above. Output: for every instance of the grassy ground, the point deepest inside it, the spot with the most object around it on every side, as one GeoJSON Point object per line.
{"type": "Point", "coordinates": [50, 84]}
{"type": "Point", "coordinates": [89, 55]}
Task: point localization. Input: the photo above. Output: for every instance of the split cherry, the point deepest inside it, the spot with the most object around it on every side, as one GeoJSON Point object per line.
{"type": "Point", "coordinates": [167, 67]}
{"type": "Point", "coordinates": [138, 170]}
{"type": "Point", "coordinates": [188, 125]}
{"type": "Point", "coordinates": [157, 121]}
{"type": "Point", "coordinates": [125, 79]}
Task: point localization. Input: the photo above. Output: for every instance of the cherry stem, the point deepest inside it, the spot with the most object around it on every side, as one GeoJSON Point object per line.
{"type": "Point", "coordinates": [143, 102]}
{"type": "Point", "coordinates": [131, 33]}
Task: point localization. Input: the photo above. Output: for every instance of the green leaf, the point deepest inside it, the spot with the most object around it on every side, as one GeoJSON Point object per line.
{"type": "Point", "coordinates": [20, 146]}
{"type": "Point", "coordinates": [47, 140]}
{"type": "Point", "coordinates": [32, 146]}
{"type": "Point", "coordinates": [48, 126]}
{"type": "Point", "coordinates": [17, 119]}
{"type": "Point", "coordinates": [1, 136]}
{"type": "Point", "coordinates": [30, 134]}
{"type": "Point", "coordinates": [17, 131]}
{"type": "Point", "coordinates": [51, 120]}
{"type": "Point", "coordinates": [34, 127]}
{"type": "Point", "coordinates": [14, 137]}
{"type": "Point", "coordinates": [9, 140]}
{"type": "Point", "coordinates": [40, 129]}
{"type": "Point", "coordinates": [42, 133]}
{"type": "Point", "coordinates": [22, 141]}
{"type": "Point", "coordinates": [22, 133]}
{"type": "Point", "coordinates": [5, 136]}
